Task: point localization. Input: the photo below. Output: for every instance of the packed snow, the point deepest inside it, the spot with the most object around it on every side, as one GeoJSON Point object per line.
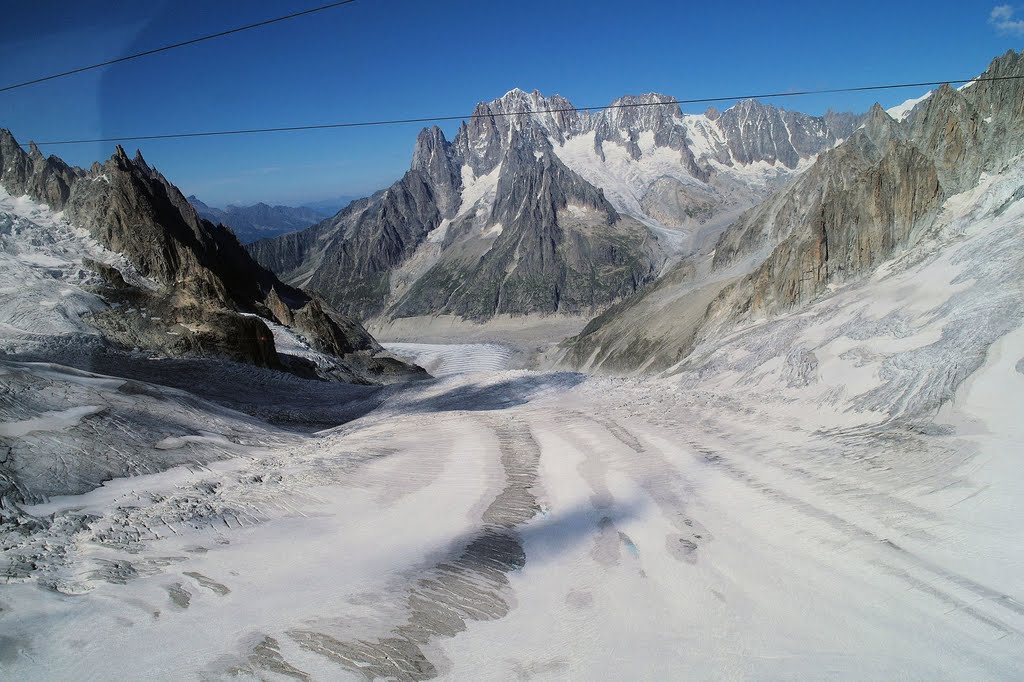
{"type": "Point", "coordinates": [496, 525]}
{"type": "Point", "coordinates": [446, 359]}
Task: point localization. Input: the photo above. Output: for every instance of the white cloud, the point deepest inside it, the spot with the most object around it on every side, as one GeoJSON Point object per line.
{"type": "Point", "coordinates": [1001, 12]}
{"type": "Point", "coordinates": [1002, 18]}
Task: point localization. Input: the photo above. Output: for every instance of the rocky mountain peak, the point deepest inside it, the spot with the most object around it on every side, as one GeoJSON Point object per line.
{"type": "Point", "coordinates": [47, 180]}
{"type": "Point", "coordinates": [200, 279]}
{"type": "Point", "coordinates": [748, 106]}
{"type": "Point", "coordinates": [435, 159]}
{"type": "Point", "coordinates": [652, 112]}
{"type": "Point", "coordinates": [629, 117]}
{"type": "Point", "coordinates": [482, 139]}
{"type": "Point", "coordinates": [119, 160]}
{"type": "Point", "coordinates": [946, 127]}
{"type": "Point", "coordinates": [517, 101]}
{"type": "Point", "coordinates": [878, 118]}
{"type": "Point", "coordinates": [141, 162]}
{"type": "Point", "coordinates": [876, 110]}
{"type": "Point", "coordinates": [428, 143]}
{"type": "Point", "coordinates": [197, 202]}
{"type": "Point", "coordinates": [761, 132]}
{"type": "Point", "coordinates": [9, 148]}
{"type": "Point", "coordinates": [879, 129]}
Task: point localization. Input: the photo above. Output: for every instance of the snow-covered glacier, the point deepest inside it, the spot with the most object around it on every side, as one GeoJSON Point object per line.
{"type": "Point", "coordinates": [783, 509]}
{"type": "Point", "coordinates": [807, 468]}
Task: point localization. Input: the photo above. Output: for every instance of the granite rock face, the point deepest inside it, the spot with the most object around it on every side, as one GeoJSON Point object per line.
{"type": "Point", "coordinates": [627, 117]}
{"type": "Point", "coordinates": [758, 132]}
{"type": "Point", "coordinates": [537, 207]}
{"type": "Point", "coordinates": [45, 179]}
{"type": "Point", "coordinates": [877, 193]}
{"type": "Point", "coordinates": [347, 259]}
{"type": "Point", "coordinates": [204, 293]}
{"type": "Point", "coordinates": [436, 161]}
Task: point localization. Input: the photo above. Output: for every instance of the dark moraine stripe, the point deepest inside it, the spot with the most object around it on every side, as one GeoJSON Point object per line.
{"type": "Point", "coordinates": [472, 586]}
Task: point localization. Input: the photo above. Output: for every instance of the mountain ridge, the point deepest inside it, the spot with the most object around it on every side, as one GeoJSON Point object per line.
{"type": "Point", "coordinates": [535, 207]}
{"type": "Point", "coordinates": [260, 220]}
{"type": "Point", "coordinates": [205, 294]}
{"type": "Point", "coordinates": [870, 198]}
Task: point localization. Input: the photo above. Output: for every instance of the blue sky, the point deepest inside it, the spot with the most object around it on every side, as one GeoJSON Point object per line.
{"type": "Point", "coordinates": [381, 59]}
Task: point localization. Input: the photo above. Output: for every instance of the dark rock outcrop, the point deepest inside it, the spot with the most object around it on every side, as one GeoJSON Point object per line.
{"type": "Point", "coordinates": [207, 293]}
{"type": "Point", "coordinates": [46, 179]}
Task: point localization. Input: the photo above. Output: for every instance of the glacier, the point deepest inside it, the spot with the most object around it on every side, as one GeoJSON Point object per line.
{"type": "Point", "coordinates": [794, 500]}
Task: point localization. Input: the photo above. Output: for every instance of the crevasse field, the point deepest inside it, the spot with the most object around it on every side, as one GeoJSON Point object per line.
{"type": "Point", "coordinates": [777, 508]}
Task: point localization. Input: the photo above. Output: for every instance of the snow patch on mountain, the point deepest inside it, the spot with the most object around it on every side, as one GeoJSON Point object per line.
{"type": "Point", "coordinates": [43, 282]}
{"type": "Point", "coordinates": [627, 182]}
{"type": "Point", "coordinates": [623, 180]}
{"type": "Point", "coordinates": [437, 235]}
{"type": "Point", "coordinates": [763, 173]}
{"type": "Point", "coordinates": [705, 135]}
{"type": "Point", "coordinates": [287, 342]}
{"type": "Point", "coordinates": [901, 112]}
{"type": "Point", "coordinates": [478, 192]}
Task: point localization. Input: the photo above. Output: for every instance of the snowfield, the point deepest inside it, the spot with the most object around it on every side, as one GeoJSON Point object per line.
{"type": "Point", "coordinates": [834, 493]}
{"type": "Point", "coordinates": [446, 359]}
{"type": "Point", "coordinates": [493, 526]}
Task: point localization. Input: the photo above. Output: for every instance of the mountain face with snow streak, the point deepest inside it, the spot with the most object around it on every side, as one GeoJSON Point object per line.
{"type": "Point", "coordinates": [537, 207]}
{"type": "Point", "coordinates": [891, 186]}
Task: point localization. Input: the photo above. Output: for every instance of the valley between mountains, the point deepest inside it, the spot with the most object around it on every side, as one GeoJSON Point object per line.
{"type": "Point", "coordinates": [635, 394]}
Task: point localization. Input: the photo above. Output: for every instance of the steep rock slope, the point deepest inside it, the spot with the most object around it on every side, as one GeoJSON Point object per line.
{"type": "Point", "coordinates": [536, 207]}
{"type": "Point", "coordinates": [202, 293]}
{"type": "Point", "coordinates": [880, 192]}
{"type": "Point", "coordinates": [260, 220]}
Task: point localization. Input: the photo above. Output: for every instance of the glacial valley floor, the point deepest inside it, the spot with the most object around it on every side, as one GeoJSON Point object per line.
{"type": "Point", "coordinates": [508, 524]}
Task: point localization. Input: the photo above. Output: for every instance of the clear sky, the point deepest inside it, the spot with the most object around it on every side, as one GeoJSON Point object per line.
{"type": "Point", "coordinates": [381, 59]}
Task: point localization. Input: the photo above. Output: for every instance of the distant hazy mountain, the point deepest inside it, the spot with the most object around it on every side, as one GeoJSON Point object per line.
{"type": "Point", "coordinates": [261, 221]}
{"type": "Point", "coordinates": [329, 207]}
{"type": "Point", "coordinates": [536, 207]}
